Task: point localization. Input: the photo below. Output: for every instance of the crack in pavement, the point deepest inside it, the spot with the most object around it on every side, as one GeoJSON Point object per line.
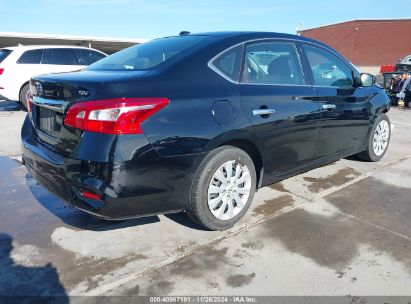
{"type": "Point", "coordinates": [374, 225]}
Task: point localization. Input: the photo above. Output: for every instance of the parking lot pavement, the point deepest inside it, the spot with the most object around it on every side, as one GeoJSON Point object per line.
{"type": "Point", "coordinates": [353, 241]}
{"type": "Point", "coordinates": [10, 123]}
{"type": "Point", "coordinates": [340, 229]}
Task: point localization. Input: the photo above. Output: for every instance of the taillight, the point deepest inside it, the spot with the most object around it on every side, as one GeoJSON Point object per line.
{"type": "Point", "coordinates": [1, 71]}
{"type": "Point", "coordinates": [28, 99]}
{"type": "Point", "coordinates": [113, 116]}
{"type": "Point", "coordinates": [90, 195]}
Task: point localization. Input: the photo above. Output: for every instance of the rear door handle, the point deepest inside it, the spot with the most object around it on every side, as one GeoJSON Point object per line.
{"type": "Point", "coordinates": [263, 112]}
{"type": "Point", "coordinates": [329, 106]}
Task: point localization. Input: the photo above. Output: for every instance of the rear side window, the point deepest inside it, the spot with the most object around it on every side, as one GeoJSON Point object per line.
{"type": "Point", "coordinates": [150, 54]}
{"type": "Point", "coordinates": [4, 53]}
{"type": "Point", "coordinates": [88, 57]}
{"type": "Point", "coordinates": [31, 57]}
{"type": "Point", "coordinates": [229, 63]}
{"type": "Point", "coordinates": [60, 56]}
{"type": "Point", "coordinates": [328, 69]}
{"type": "Point", "coordinates": [272, 63]}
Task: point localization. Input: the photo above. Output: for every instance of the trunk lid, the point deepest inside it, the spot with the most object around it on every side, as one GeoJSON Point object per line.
{"type": "Point", "coordinates": [53, 94]}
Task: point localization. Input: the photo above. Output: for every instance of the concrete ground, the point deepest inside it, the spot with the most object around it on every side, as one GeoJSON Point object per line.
{"type": "Point", "coordinates": [341, 229]}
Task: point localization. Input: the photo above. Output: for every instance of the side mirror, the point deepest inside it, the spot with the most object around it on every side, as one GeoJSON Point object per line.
{"type": "Point", "coordinates": [367, 80]}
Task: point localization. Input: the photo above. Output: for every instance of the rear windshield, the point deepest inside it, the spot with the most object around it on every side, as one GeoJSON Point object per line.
{"type": "Point", "coordinates": [148, 55]}
{"type": "Point", "coordinates": [4, 53]}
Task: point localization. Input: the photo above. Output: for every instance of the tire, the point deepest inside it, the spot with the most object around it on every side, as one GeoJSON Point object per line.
{"type": "Point", "coordinates": [23, 95]}
{"type": "Point", "coordinates": [371, 154]}
{"type": "Point", "coordinates": [205, 181]}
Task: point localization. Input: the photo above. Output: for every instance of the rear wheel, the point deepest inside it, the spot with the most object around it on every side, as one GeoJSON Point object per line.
{"type": "Point", "coordinates": [378, 140]}
{"type": "Point", "coordinates": [23, 95]}
{"type": "Point", "coordinates": [223, 188]}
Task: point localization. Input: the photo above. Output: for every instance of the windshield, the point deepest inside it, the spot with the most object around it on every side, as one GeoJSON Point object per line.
{"type": "Point", "coordinates": [4, 53]}
{"type": "Point", "coordinates": [148, 55]}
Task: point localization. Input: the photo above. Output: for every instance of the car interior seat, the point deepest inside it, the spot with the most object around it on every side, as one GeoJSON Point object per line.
{"type": "Point", "coordinates": [279, 70]}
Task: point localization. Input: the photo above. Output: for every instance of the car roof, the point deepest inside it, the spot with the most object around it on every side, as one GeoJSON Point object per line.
{"type": "Point", "coordinates": [247, 34]}
{"type": "Point", "coordinates": [238, 33]}
{"type": "Point", "coordinates": [250, 35]}
{"type": "Point", "coordinates": [237, 37]}
{"type": "Point", "coordinates": [34, 47]}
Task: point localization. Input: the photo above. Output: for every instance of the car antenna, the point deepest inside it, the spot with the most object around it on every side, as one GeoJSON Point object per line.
{"type": "Point", "coordinates": [184, 33]}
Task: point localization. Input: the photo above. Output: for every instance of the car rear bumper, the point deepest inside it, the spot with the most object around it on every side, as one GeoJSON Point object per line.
{"type": "Point", "coordinates": [146, 184]}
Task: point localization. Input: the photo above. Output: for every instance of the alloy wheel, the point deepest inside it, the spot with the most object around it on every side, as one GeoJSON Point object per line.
{"type": "Point", "coordinates": [381, 137]}
{"type": "Point", "coordinates": [229, 190]}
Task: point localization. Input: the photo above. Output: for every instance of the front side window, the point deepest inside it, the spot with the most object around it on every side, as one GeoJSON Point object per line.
{"type": "Point", "coordinates": [31, 57]}
{"type": "Point", "coordinates": [60, 56]}
{"type": "Point", "coordinates": [327, 69]}
{"type": "Point", "coordinates": [272, 63]}
{"type": "Point", "coordinates": [149, 55]}
{"type": "Point", "coordinates": [89, 56]}
{"type": "Point", "coordinates": [229, 63]}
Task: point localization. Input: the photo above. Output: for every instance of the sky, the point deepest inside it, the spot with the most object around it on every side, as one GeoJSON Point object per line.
{"type": "Point", "coordinates": [158, 18]}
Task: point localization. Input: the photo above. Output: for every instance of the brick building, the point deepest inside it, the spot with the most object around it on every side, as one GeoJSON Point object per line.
{"type": "Point", "coordinates": [367, 43]}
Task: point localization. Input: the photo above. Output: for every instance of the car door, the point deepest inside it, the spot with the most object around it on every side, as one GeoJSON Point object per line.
{"type": "Point", "coordinates": [345, 106]}
{"type": "Point", "coordinates": [281, 106]}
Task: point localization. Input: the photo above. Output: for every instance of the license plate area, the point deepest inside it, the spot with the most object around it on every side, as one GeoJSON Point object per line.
{"type": "Point", "coordinates": [48, 121]}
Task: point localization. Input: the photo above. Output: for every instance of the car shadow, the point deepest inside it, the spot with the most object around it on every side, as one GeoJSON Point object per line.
{"type": "Point", "coordinates": [182, 219]}
{"type": "Point", "coordinates": [23, 284]}
{"type": "Point", "coordinates": [353, 158]}
{"type": "Point", "coordinates": [9, 106]}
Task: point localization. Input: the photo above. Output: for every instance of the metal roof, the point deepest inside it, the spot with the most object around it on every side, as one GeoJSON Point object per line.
{"type": "Point", "coordinates": [105, 44]}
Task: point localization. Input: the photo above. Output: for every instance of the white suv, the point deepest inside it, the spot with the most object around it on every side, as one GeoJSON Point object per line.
{"type": "Point", "coordinates": [18, 64]}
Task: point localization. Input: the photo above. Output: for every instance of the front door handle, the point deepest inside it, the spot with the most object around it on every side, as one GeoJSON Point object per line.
{"type": "Point", "coordinates": [329, 106]}
{"type": "Point", "coordinates": [263, 112]}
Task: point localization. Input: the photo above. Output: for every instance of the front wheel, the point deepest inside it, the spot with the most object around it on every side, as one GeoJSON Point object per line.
{"type": "Point", "coordinates": [223, 188]}
{"type": "Point", "coordinates": [378, 140]}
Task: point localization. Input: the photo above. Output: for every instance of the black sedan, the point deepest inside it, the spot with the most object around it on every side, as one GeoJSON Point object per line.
{"type": "Point", "coordinates": [198, 123]}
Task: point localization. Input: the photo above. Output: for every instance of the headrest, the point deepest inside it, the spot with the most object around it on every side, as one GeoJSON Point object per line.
{"type": "Point", "coordinates": [279, 66]}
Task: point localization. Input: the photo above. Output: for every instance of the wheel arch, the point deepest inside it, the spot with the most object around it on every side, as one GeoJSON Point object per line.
{"type": "Point", "coordinates": [22, 86]}
{"type": "Point", "coordinates": [252, 150]}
